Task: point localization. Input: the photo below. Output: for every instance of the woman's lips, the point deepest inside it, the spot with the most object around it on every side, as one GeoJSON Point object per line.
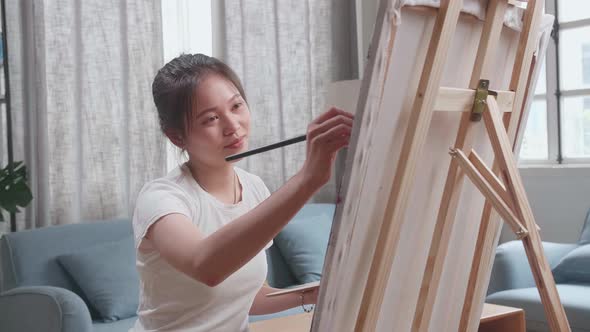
{"type": "Point", "coordinates": [236, 144]}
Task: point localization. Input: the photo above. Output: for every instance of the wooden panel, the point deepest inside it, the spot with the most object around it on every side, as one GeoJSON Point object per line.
{"type": "Point", "coordinates": [500, 318]}
{"type": "Point", "coordinates": [295, 323]}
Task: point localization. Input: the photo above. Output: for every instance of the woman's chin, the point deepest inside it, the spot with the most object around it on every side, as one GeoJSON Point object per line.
{"type": "Point", "coordinates": [234, 151]}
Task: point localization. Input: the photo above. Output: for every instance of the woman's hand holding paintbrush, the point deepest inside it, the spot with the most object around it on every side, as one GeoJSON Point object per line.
{"type": "Point", "coordinates": [327, 134]}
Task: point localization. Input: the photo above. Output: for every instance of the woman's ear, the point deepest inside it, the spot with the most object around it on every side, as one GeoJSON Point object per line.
{"type": "Point", "coordinates": [176, 138]}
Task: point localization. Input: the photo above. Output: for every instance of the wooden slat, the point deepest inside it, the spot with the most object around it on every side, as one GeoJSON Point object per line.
{"type": "Point", "coordinates": [541, 270]}
{"type": "Point", "coordinates": [528, 42]}
{"type": "Point", "coordinates": [486, 189]}
{"type": "Point", "coordinates": [492, 179]}
{"type": "Point", "coordinates": [416, 132]}
{"type": "Point", "coordinates": [448, 207]}
{"type": "Point", "coordinates": [461, 100]}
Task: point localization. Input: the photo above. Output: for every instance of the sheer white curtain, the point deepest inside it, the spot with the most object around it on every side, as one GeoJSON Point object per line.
{"type": "Point", "coordinates": [286, 53]}
{"type": "Point", "coordinates": [83, 115]}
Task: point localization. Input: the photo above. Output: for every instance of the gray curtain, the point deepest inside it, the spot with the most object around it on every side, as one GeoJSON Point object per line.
{"type": "Point", "coordinates": [83, 115]}
{"type": "Point", "coordinates": [286, 52]}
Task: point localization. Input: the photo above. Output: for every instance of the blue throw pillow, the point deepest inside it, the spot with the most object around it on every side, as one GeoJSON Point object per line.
{"type": "Point", "coordinates": [303, 242]}
{"type": "Point", "coordinates": [107, 276]}
{"type": "Point", "coordinates": [574, 267]}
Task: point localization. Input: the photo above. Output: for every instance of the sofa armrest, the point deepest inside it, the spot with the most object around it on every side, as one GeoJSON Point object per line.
{"type": "Point", "coordinates": [511, 269]}
{"type": "Point", "coordinates": [43, 308]}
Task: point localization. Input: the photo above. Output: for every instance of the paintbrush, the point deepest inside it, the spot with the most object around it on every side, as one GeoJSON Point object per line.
{"type": "Point", "coordinates": [267, 148]}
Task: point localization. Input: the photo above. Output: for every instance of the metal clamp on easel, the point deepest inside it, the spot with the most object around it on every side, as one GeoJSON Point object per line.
{"type": "Point", "coordinates": [479, 103]}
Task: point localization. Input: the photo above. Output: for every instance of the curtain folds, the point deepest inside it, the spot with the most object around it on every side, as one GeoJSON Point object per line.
{"type": "Point", "coordinates": [286, 53]}
{"type": "Point", "coordinates": [83, 115]}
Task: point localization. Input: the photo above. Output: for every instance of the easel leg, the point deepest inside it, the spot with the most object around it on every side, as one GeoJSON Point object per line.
{"type": "Point", "coordinates": [532, 243]}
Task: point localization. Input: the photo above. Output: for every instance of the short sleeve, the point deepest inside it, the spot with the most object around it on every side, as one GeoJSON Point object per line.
{"type": "Point", "coordinates": [156, 200]}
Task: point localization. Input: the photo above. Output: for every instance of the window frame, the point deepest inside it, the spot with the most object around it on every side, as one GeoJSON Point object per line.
{"type": "Point", "coordinates": [554, 94]}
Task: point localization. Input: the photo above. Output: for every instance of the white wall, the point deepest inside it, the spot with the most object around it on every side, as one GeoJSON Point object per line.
{"type": "Point", "coordinates": [560, 199]}
{"type": "Point", "coordinates": [559, 196]}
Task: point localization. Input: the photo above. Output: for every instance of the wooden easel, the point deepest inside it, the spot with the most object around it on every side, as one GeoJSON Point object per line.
{"type": "Point", "coordinates": [502, 187]}
{"type": "Point", "coordinates": [509, 199]}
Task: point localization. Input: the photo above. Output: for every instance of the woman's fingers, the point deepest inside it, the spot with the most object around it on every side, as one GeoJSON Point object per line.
{"type": "Point", "coordinates": [334, 136]}
{"type": "Point", "coordinates": [319, 129]}
{"type": "Point", "coordinates": [332, 112]}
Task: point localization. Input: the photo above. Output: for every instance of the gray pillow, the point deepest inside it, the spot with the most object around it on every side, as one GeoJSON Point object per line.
{"type": "Point", "coordinates": [574, 267]}
{"type": "Point", "coordinates": [107, 276]}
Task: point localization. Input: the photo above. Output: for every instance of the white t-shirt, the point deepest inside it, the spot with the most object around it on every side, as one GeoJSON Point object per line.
{"type": "Point", "coordinates": [169, 300]}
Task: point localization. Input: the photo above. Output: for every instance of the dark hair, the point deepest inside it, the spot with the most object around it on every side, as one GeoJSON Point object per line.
{"type": "Point", "coordinates": [175, 84]}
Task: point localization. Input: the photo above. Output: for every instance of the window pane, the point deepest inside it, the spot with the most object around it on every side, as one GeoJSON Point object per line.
{"type": "Point", "coordinates": [573, 10]}
{"type": "Point", "coordinates": [574, 58]}
{"type": "Point", "coordinates": [586, 64]}
{"type": "Point", "coordinates": [541, 87]}
{"type": "Point", "coordinates": [575, 126]}
{"type": "Point", "coordinates": [534, 142]}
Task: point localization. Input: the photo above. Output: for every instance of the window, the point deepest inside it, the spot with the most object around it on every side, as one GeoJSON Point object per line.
{"type": "Point", "coordinates": [586, 63]}
{"type": "Point", "coordinates": [535, 142]}
{"type": "Point", "coordinates": [186, 28]}
{"type": "Point", "coordinates": [558, 126]}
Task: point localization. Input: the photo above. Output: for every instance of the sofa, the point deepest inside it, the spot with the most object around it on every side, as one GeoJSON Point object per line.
{"type": "Point", "coordinates": [512, 282]}
{"type": "Point", "coordinates": [81, 277]}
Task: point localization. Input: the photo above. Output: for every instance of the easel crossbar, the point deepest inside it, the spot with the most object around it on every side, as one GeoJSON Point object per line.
{"type": "Point", "coordinates": [461, 100]}
{"type": "Point", "coordinates": [491, 193]}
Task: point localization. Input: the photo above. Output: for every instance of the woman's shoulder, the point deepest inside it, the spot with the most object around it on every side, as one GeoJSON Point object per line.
{"type": "Point", "coordinates": [174, 183]}
{"type": "Point", "coordinates": [164, 195]}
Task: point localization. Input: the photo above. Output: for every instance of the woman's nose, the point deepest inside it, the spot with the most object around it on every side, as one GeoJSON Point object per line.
{"type": "Point", "coordinates": [232, 125]}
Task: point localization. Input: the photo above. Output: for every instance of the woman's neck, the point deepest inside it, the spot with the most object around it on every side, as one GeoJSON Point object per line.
{"type": "Point", "coordinates": [221, 182]}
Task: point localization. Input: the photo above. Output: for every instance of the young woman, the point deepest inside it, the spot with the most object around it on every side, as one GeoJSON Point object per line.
{"type": "Point", "coordinates": [200, 231]}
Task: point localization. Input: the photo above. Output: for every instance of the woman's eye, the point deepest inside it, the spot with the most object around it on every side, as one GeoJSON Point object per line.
{"type": "Point", "coordinates": [238, 105]}
{"type": "Point", "coordinates": [211, 119]}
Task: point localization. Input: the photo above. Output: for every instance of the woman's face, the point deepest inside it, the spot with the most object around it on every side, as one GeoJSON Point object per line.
{"type": "Point", "coordinates": [220, 122]}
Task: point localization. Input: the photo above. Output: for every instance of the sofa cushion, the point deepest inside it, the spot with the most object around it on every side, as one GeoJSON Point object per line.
{"type": "Point", "coordinates": [279, 273]}
{"type": "Point", "coordinates": [585, 235]}
{"type": "Point", "coordinates": [573, 297]}
{"type": "Point", "coordinates": [574, 267]}
{"type": "Point", "coordinates": [304, 240]}
{"type": "Point", "coordinates": [27, 257]}
{"type": "Point", "coordinates": [107, 276]}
